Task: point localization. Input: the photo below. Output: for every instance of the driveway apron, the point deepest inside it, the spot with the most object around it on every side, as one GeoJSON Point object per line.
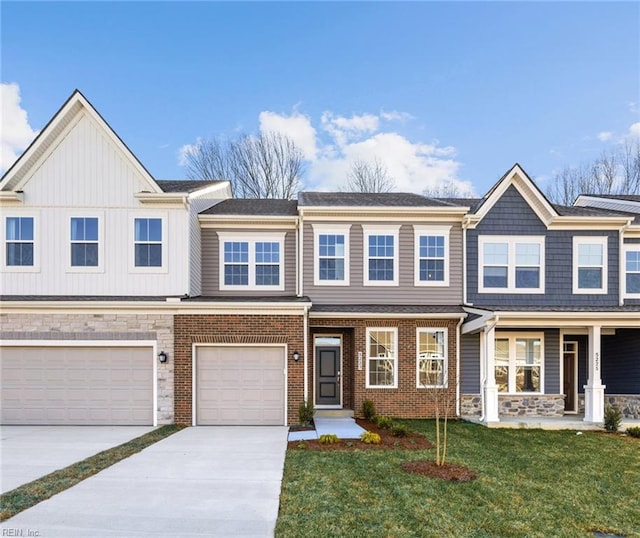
{"type": "Point", "coordinates": [201, 481]}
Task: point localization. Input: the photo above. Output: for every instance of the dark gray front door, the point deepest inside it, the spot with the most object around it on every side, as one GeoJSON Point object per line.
{"type": "Point", "coordinates": [327, 375]}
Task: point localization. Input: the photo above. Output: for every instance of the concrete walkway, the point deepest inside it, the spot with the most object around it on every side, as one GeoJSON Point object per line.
{"type": "Point", "coordinates": [343, 427]}
{"type": "Point", "coordinates": [203, 481]}
{"type": "Point", "coordinates": [30, 452]}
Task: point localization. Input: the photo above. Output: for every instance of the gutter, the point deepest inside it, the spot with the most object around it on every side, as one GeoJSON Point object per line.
{"type": "Point", "coordinates": [458, 366]}
{"type": "Point", "coordinates": [621, 263]}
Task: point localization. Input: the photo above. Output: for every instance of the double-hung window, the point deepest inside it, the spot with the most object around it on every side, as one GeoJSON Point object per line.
{"type": "Point", "coordinates": [431, 256]}
{"type": "Point", "coordinates": [380, 255]}
{"type": "Point", "coordinates": [147, 241]}
{"type": "Point", "coordinates": [511, 264]}
{"type": "Point", "coordinates": [20, 242]}
{"type": "Point", "coordinates": [382, 357]}
{"type": "Point", "coordinates": [85, 242]}
{"type": "Point", "coordinates": [590, 264]}
{"type": "Point", "coordinates": [632, 271]}
{"type": "Point", "coordinates": [251, 261]}
{"type": "Point", "coordinates": [519, 360]}
{"type": "Point", "coordinates": [331, 249]}
{"type": "Point", "coordinates": [431, 347]}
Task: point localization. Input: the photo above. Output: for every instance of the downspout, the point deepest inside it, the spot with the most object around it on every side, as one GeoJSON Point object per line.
{"type": "Point", "coordinates": [621, 263]}
{"type": "Point", "coordinates": [465, 225]}
{"type": "Point", "coordinates": [305, 350]}
{"type": "Point", "coordinates": [458, 366]}
{"type": "Point", "coordinates": [483, 378]}
{"type": "Point", "coordinates": [299, 256]}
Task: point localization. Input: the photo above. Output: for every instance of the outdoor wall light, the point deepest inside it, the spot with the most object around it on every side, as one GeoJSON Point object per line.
{"type": "Point", "coordinates": [162, 357]}
{"type": "Point", "coordinates": [296, 356]}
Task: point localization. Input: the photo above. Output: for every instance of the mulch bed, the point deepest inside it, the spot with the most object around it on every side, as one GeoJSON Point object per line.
{"type": "Point", "coordinates": [448, 471]}
{"type": "Point", "coordinates": [412, 441]}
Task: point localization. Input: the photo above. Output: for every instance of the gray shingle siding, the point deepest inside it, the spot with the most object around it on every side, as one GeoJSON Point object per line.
{"type": "Point", "coordinates": [512, 216]}
{"type": "Point", "coordinates": [470, 364]}
{"type": "Point", "coordinates": [621, 362]}
{"type": "Point", "coordinates": [552, 361]}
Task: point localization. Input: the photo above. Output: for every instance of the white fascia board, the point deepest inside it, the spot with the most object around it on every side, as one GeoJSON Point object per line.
{"type": "Point", "coordinates": [176, 198]}
{"type": "Point", "coordinates": [456, 211]}
{"type": "Point", "coordinates": [248, 221]}
{"type": "Point", "coordinates": [588, 223]}
{"type": "Point", "coordinates": [223, 188]}
{"type": "Point", "coordinates": [389, 315]}
{"type": "Point", "coordinates": [569, 319]}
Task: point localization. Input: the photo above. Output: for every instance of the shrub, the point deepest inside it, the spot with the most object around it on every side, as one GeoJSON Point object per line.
{"type": "Point", "coordinates": [368, 410]}
{"type": "Point", "coordinates": [384, 422]}
{"type": "Point", "coordinates": [328, 439]}
{"type": "Point", "coordinates": [370, 438]}
{"type": "Point", "coordinates": [634, 431]}
{"type": "Point", "coordinates": [612, 419]}
{"type": "Point", "coordinates": [305, 413]}
{"type": "Point", "coordinates": [399, 430]}
{"type": "Point", "coordinates": [302, 446]}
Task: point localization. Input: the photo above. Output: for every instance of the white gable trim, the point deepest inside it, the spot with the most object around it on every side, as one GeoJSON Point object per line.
{"type": "Point", "coordinates": [527, 189]}
{"type": "Point", "coordinates": [55, 131]}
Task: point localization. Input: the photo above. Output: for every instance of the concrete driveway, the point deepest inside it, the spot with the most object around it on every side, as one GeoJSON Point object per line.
{"type": "Point", "coordinates": [203, 481]}
{"type": "Point", "coordinates": [29, 452]}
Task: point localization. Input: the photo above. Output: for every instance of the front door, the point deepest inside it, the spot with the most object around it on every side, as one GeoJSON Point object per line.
{"type": "Point", "coordinates": [327, 375]}
{"type": "Point", "coordinates": [570, 370]}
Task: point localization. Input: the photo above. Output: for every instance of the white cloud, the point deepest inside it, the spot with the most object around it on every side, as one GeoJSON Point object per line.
{"type": "Point", "coordinates": [296, 126]}
{"type": "Point", "coordinates": [605, 136]}
{"type": "Point", "coordinates": [186, 150]}
{"type": "Point", "coordinates": [634, 130]}
{"type": "Point", "coordinates": [633, 107]}
{"type": "Point", "coordinates": [15, 133]}
{"type": "Point", "coordinates": [394, 115]}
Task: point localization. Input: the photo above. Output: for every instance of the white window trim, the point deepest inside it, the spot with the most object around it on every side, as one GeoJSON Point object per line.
{"type": "Point", "coordinates": [330, 229]}
{"type": "Point", "coordinates": [132, 248]}
{"type": "Point", "coordinates": [512, 337]}
{"type": "Point", "coordinates": [511, 241]}
{"type": "Point", "coordinates": [421, 231]}
{"type": "Point", "coordinates": [101, 227]}
{"type": "Point", "coordinates": [252, 238]}
{"type": "Point", "coordinates": [376, 229]}
{"type": "Point", "coordinates": [395, 358]}
{"type": "Point", "coordinates": [585, 240]}
{"type": "Point", "coordinates": [445, 363]}
{"type": "Point", "coordinates": [35, 268]}
{"type": "Point", "coordinates": [628, 247]}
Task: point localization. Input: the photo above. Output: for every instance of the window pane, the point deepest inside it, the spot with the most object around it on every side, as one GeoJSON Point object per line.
{"type": "Point", "coordinates": [155, 229]}
{"type": "Point", "coordinates": [84, 255]}
{"type": "Point", "coordinates": [432, 270]}
{"type": "Point", "coordinates": [589, 254]}
{"type": "Point", "coordinates": [155, 255]}
{"type": "Point", "coordinates": [236, 252]}
{"type": "Point", "coordinates": [141, 232]}
{"type": "Point", "coordinates": [527, 277]}
{"type": "Point", "coordinates": [528, 351]}
{"type": "Point", "coordinates": [633, 261]}
{"type": "Point", "coordinates": [381, 372]}
{"type": "Point", "coordinates": [236, 275]}
{"type": "Point", "coordinates": [432, 246]}
{"type": "Point", "coordinates": [267, 252]}
{"type": "Point", "coordinates": [589, 278]}
{"type": "Point", "coordinates": [20, 254]}
{"type": "Point", "coordinates": [380, 269]}
{"type": "Point", "coordinates": [381, 246]}
{"type": "Point", "coordinates": [381, 344]}
{"type": "Point", "coordinates": [77, 229]}
{"type": "Point", "coordinates": [527, 379]}
{"type": "Point", "coordinates": [496, 254]}
{"type": "Point", "coordinates": [267, 275]}
{"type": "Point", "coordinates": [331, 269]}
{"type": "Point", "coordinates": [633, 282]}
{"type": "Point", "coordinates": [19, 229]}
{"type": "Point", "coordinates": [148, 255]}
{"type": "Point", "coordinates": [91, 229]}
{"type": "Point", "coordinates": [502, 378]}
{"type": "Point", "coordinates": [527, 254]}
{"type": "Point", "coordinates": [431, 371]}
{"type": "Point", "coordinates": [495, 277]}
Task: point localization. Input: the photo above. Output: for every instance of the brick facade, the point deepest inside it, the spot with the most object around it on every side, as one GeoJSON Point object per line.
{"type": "Point", "coordinates": [405, 401]}
{"type": "Point", "coordinates": [237, 328]}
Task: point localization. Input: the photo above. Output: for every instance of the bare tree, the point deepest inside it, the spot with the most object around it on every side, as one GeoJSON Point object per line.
{"type": "Point", "coordinates": [366, 176]}
{"type": "Point", "coordinates": [615, 172]}
{"type": "Point", "coordinates": [446, 189]}
{"type": "Point", "coordinates": [268, 165]}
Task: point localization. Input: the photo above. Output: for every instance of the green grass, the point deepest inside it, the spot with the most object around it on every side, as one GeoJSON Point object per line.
{"type": "Point", "coordinates": [531, 483]}
{"type": "Point", "coordinates": [25, 496]}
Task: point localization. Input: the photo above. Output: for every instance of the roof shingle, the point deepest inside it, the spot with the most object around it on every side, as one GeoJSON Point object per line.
{"type": "Point", "coordinates": [259, 207]}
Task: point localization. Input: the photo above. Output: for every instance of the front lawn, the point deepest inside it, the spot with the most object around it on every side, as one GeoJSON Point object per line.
{"type": "Point", "coordinates": [530, 483]}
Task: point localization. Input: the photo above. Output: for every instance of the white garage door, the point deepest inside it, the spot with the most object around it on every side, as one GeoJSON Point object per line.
{"type": "Point", "coordinates": [77, 385]}
{"type": "Point", "coordinates": [240, 385]}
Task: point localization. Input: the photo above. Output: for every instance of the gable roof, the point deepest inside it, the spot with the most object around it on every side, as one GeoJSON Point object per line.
{"type": "Point", "coordinates": [361, 199]}
{"type": "Point", "coordinates": [44, 143]}
{"type": "Point", "coordinates": [257, 207]}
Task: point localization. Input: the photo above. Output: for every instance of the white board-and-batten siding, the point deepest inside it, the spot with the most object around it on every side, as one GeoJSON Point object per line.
{"type": "Point", "coordinates": [86, 174]}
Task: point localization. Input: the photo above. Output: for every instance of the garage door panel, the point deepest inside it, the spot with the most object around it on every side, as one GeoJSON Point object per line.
{"type": "Point", "coordinates": [77, 385]}
{"type": "Point", "coordinates": [240, 385]}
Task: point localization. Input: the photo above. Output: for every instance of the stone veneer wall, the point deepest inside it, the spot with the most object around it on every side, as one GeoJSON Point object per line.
{"type": "Point", "coordinates": [628, 404]}
{"type": "Point", "coordinates": [158, 327]}
{"type": "Point", "coordinates": [539, 405]}
{"type": "Point", "coordinates": [470, 405]}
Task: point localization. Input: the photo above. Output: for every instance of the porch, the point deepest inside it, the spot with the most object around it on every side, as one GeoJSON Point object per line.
{"type": "Point", "coordinates": [566, 422]}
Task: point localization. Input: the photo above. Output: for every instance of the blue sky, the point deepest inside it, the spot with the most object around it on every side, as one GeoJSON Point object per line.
{"type": "Point", "coordinates": [455, 91]}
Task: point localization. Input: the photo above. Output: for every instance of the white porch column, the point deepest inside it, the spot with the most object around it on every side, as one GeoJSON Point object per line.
{"type": "Point", "coordinates": [594, 389]}
{"type": "Point", "coordinates": [491, 412]}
